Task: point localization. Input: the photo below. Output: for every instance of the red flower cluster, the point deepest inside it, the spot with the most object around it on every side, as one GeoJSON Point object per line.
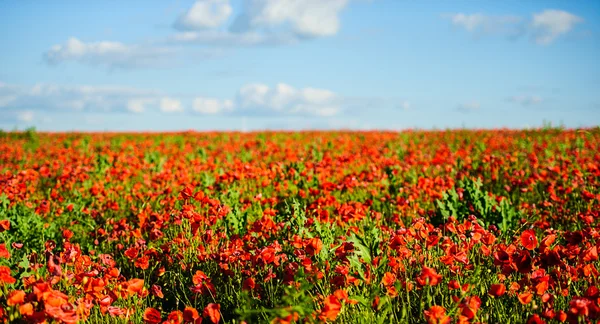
{"type": "Point", "coordinates": [438, 227]}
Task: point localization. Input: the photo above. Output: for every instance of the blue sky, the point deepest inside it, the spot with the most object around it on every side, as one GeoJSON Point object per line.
{"type": "Point", "coordinates": [298, 64]}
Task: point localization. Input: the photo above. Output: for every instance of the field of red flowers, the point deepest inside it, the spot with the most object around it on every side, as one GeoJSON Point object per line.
{"type": "Point", "coordinates": [439, 227]}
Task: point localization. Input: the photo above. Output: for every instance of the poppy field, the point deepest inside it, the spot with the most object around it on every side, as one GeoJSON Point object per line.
{"type": "Point", "coordinates": [479, 226]}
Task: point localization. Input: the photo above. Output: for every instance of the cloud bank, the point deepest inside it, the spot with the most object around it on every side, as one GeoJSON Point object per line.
{"type": "Point", "coordinates": [543, 27]}
{"type": "Point", "coordinates": [109, 54]}
{"type": "Point", "coordinates": [250, 100]}
{"type": "Point", "coordinates": [204, 14]}
{"type": "Point", "coordinates": [211, 23]}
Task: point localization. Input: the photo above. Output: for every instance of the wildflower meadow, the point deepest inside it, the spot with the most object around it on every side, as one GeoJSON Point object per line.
{"type": "Point", "coordinates": [461, 226]}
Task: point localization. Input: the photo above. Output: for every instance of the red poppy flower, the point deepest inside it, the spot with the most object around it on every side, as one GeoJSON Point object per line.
{"type": "Point", "coordinates": [547, 241]}
{"type": "Point", "coordinates": [590, 254]}
{"type": "Point", "coordinates": [67, 234]}
{"type": "Point", "coordinates": [470, 306]}
{"type": "Point", "coordinates": [131, 253]}
{"type": "Point", "coordinates": [497, 290]}
{"type": "Point", "coordinates": [314, 246]}
{"type": "Point", "coordinates": [331, 308]}
{"type": "Point", "coordinates": [26, 309]}
{"type": "Point", "coordinates": [249, 284]}
{"type": "Point", "coordinates": [535, 319]}
{"type": "Point", "coordinates": [453, 284]}
{"type": "Point", "coordinates": [15, 297]}
{"type": "Point", "coordinates": [190, 314]}
{"type": "Point", "coordinates": [436, 315]}
{"type": "Point", "coordinates": [525, 298]}
{"type": "Point", "coordinates": [4, 252]}
{"type": "Point", "coordinates": [5, 277]}
{"type": "Point", "coordinates": [4, 225]}
{"type": "Point", "coordinates": [152, 316]}
{"type": "Point", "coordinates": [429, 277]}
{"type": "Point", "coordinates": [135, 286]}
{"type": "Point", "coordinates": [175, 317]}
{"type": "Point", "coordinates": [528, 239]}
{"type": "Point", "coordinates": [142, 263]}
{"type": "Point", "coordinates": [56, 305]}
{"type": "Point", "coordinates": [388, 279]}
{"type": "Point", "coordinates": [199, 277]}
{"type": "Point", "coordinates": [187, 192]}
{"type": "Point", "coordinates": [213, 312]}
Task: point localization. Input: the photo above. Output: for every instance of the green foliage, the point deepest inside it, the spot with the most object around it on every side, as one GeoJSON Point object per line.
{"type": "Point", "coordinates": [28, 228]}
{"type": "Point", "coordinates": [293, 300]}
{"type": "Point", "coordinates": [477, 202]}
{"type": "Point", "coordinates": [102, 164]}
{"type": "Point", "coordinates": [237, 221]}
{"type": "Point", "coordinates": [155, 159]}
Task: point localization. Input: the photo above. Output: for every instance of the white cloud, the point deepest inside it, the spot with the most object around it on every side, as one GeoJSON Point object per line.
{"type": "Point", "coordinates": [317, 96]}
{"type": "Point", "coordinates": [170, 105]}
{"type": "Point", "coordinates": [550, 24]}
{"type": "Point", "coordinates": [250, 99]}
{"type": "Point", "coordinates": [479, 23]}
{"type": "Point", "coordinates": [526, 100]}
{"type": "Point", "coordinates": [260, 22]}
{"type": "Point", "coordinates": [544, 27]}
{"type": "Point", "coordinates": [307, 18]}
{"type": "Point", "coordinates": [53, 97]}
{"type": "Point", "coordinates": [205, 14]}
{"type": "Point", "coordinates": [227, 38]}
{"type": "Point", "coordinates": [140, 105]}
{"type": "Point", "coordinates": [468, 22]}
{"type": "Point", "coordinates": [283, 98]}
{"type": "Point", "coordinates": [211, 106]}
{"type": "Point", "coordinates": [109, 54]}
{"type": "Point", "coordinates": [252, 95]}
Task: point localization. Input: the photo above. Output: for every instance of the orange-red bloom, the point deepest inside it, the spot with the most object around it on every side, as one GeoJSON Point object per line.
{"type": "Point", "coordinates": [529, 240]}
{"type": "Point", "coordinates": [428, 276]}
{"type": "Point", "coordinates": [4, 252]}
{"type": "Point", "coordinates": [26, 309]}
{"type": "Point", "coordinates": [190, 314]}
{"type": "Point", "coordinates": [142, 263]}
{"type": "Point", "coordinates": [535, 319]}
{"type": "Point", "coordinates": [314, 246]}
{"type": "Point", "coordinates": [470, 306]}
{"type": "Point", "coordinates": [4, 225]}
{"type": "Point", "coordinates": [497, 290]}
{"type": "Point", "coordinates": [15, 297]}
{"type": "Point", "coordinates": [213, 312]}
{"type": "Point", "coordinates": [525, 298]}
{"type": "Point", "coordinates": [5, 277]}
{"type": "Point", "coordinates": [57, 307]}
{"type": "Point", "coordinates": [436, 315]}
{"type": "Point", "coordinates": [135, 286]}
{"type": "Point", "coordinates": [152, 316]}
{"type": "Point", "coordinates": [175, 317]}
{"type": "Point", "coordinates": [388, 279]}
{"type": "Point", "coordinates": [331, 308]}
